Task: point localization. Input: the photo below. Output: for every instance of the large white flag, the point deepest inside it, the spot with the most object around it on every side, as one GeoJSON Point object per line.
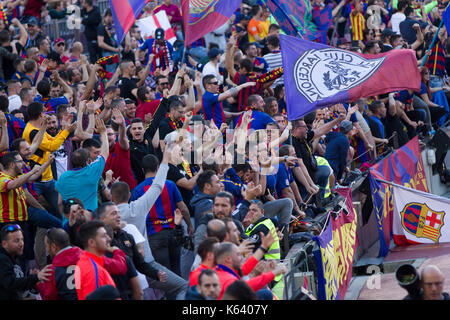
{"type": "Point", "coordinates": [420, 217]}
{"type": "Point", "coordinates": [149, 24]}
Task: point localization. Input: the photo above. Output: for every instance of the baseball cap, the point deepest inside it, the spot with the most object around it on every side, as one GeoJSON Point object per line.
{"type": "Point", "coordinates": [33, 21]}
{"type": "Point", "coordinates": [58, 41]}
{"type": "Point", "coordinates": [214, 52]}
{"type": "Point", "coordinates": [159, 34]}
{"type": "Point", "coordinates": [346, 126]}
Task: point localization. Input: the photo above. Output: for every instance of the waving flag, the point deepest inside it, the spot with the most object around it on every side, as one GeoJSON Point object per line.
{"type": "Point", "coordinates": [337, 243]}
{"type": "Point", "coordinates": [294, 17]}
{"type": "Point", "coordinates": [320, 76]}
{"type": "Point", "coordinates": [203, 16]}
{"type": "Point", "coordinates": [403, 167]}
{"type": "Point", "coordinates": [148, 25]}
{"type": "Point", "coordinates": [125, 12]}
{"type": "Point", "coordinates": [420, 217]}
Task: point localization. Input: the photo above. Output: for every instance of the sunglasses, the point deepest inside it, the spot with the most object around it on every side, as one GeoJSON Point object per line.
{"type": "Point", "coordinates": [164, 84]}
{"type": "Point", "coordinates": [13, 228]}
{"type": "Point", "coordinates": [214, 83]}
{"type": "Point", "coordinates": [61, 44]}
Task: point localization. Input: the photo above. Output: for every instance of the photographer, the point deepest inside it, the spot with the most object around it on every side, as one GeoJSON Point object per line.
{"type": "Point", "coordinates": [428, 287]}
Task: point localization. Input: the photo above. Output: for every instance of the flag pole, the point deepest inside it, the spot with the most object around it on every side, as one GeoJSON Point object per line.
{"type": "Point", "coordinates": [436, 35]}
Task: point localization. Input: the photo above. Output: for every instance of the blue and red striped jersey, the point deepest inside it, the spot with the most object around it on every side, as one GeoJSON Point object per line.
{"type": "Point", "coordinates": [161, 215]}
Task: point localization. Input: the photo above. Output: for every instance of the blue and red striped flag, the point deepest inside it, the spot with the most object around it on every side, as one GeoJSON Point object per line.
{"type": "Point", "coordinates": [125, 12]}
{"type": "Point", "coordinates": [203, 16]}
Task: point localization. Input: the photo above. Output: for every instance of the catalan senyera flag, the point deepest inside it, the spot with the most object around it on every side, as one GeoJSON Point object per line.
{"type": "Point", "coordinates": [203, 16]}
{"type": "Point", "coordinates": [319, 76]}
{"type": "Point", "coordinates": [420, 217]}
{"type": "Point", "coordinates": [125, 12]}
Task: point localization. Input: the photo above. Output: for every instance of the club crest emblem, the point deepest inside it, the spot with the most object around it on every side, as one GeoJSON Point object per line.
{"type": "Point", "coordinates": [199, 9]}
{"type": "Point", "coordinates": [319, 74]}
{"type": "Point", "coordinates": [422, 222]}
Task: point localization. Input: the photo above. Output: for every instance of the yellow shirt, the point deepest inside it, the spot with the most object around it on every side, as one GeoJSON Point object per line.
{"type": "Point", "coordinates": [48, 145]}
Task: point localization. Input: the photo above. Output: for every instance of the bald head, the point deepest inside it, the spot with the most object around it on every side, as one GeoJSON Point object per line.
{"type": "Point", "coordinates": [216, 228]}
{"type": "Point", "coordinates": [432, 282]}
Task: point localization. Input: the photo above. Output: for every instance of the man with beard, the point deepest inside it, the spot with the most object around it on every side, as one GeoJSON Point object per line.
{"type": "Point", "coordinates": [119, 152]}
{"type": "Point", "coordinates": [14, 281]}
{"type": "Point", "coordinates": [228, 261]}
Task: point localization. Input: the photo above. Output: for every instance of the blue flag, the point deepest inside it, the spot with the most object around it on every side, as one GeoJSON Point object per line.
{"type": "Point", "coordinates": [124, 14]}
{"type": "Point", "coordinates": [446, 18]}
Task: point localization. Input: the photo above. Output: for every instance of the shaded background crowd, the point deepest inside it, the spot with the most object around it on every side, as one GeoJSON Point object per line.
{"type": "Point", "coordinates": [151, 170]}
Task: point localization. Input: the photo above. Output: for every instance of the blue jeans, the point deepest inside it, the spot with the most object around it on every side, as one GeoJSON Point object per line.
{"type": "Point", "coordinates": [41, 218]}
{"type": "Point", "coordinates": [47, 189]}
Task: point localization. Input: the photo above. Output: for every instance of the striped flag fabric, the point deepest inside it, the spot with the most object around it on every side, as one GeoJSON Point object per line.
{"type": "Point", "coordinates": [203, 16]}
{"type": "Point", "coordinates": [148, 25]}
{"type": "Point", "coordinates": [125, 13]}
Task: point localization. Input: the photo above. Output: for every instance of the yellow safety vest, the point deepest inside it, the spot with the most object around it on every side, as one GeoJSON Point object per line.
{"type": "Point", "coordinates": [321, 161]}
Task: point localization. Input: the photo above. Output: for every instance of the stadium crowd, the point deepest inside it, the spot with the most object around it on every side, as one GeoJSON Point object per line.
{"type": "Point", "coordinates": [150, 170]}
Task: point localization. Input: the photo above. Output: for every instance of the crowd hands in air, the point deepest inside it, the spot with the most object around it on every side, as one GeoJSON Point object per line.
{"type": "Point", "coordinates": [183, 179]}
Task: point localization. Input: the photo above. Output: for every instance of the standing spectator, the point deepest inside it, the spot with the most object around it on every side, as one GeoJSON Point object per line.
{"type": "Point", "coordinates": [173, 13]}
{"type": "Point", "coordinates": [14, 87]}
{"type": "Point", "coordinates": [274, 57]}
{"type": "Point", "coordinates": [160, 219]}
{"type": "Point", "coordinates": [90, 273]}
{"type": "Point", "coordinates": [398, 17]}
{"type": "Point", "coordinates": [13, 281]}
{"type": "Point", "coordinates": [46, 184]}
{"type": "Point", "coordinates": [61, 285]}
{"type": "Point", "coordinates": [82, 181]}
{"type": "Point", "coordinates": [212, 100]}
{"type": "Point", "coordinates": [337, 149]}
{"type": "Point", "coordinates": [15, 125]}
{"type": "Point", "coordinates": [106, 39]}
{"type": "Point", "coordinates": [119, 152]}
{"type": "Point", "coordinates": [212, 67]}
{"type": "Point", "coordinates": [207, 288]}
{"type": "Point", "coordinates": [91, 19]}
{"type": "Point", "coordinates": [255, 28]}
{"type": "Point", "coordinates": [209, 185]}
{"type": "Point", "coordinates": [161, 49]}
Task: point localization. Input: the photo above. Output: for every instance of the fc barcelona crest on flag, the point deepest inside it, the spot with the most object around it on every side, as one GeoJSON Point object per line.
{"type": "Point", "coordinates": [422, 222]}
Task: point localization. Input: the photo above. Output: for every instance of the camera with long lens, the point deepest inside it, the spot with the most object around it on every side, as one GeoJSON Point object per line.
{"type": "Point", "coordinates": [408, 278]}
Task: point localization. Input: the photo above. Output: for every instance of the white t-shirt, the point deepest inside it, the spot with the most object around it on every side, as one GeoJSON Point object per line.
{"type": "Point", "coordinates": [138, 238]}
{"type": "Point", "coordinates": [61, 158]}
{"type": "Point", "coordinates": [395, 21]}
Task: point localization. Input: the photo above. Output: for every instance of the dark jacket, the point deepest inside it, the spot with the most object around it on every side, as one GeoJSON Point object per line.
{"type": "Point", "coordinates": [192, 294]}
{"type": "Point", "coordinates": [201, 203]}
{"type": "Point", "coordinates": [125, 242]}
{"type": "Point", "coordinates": [90, 21]}
{"type": "Point", "coordinates": [61, 285]}
{"type": "Point", "coordinates": [336, 152]}
{"type": "Point", "coordinates": [12, 279]}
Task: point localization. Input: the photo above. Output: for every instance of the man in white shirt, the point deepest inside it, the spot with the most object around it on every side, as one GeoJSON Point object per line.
{"type": "Point", "coordinates": [398, 17]}
{"type": "Point", "coordinates": [212, 67]}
